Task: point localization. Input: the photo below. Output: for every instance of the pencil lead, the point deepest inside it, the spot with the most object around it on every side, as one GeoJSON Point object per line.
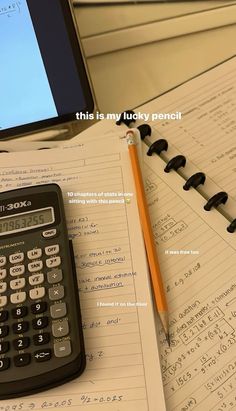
{"type": "Point", "coordinates": [168, 338]}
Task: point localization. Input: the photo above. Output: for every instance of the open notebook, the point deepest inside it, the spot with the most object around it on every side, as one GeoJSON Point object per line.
{"type": "Point", "coordinates": [123, 370]}
{"type": "Point", "coordinates": [196, 252]}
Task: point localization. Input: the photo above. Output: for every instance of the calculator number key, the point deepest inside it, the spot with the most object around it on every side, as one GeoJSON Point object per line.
{"type": "Point", "coordinates": [39, 323]}
{"type": "Point", "coordinates": [4, 364]}
{"type": "Point", "coordinates": [20, 328]}
{"type": "Point", "coordinates": [3, 316]}
{"type": "Point", "coordinates": [21, 343]}
{"type": "Point", "coordinates": [4, 331]}
{"type": "Point", "coordinates": [41, 339]}
{"type": "Point", "coordinates": [22, 360]}
{"type": "Point", "coordinates": [4, 347]}
{"type": "Point", "coordinates": [19, 312]}
{"type": "Point", "coordinates": [39, 308]}
{"type": "Point", "coordinates": [53, 262]}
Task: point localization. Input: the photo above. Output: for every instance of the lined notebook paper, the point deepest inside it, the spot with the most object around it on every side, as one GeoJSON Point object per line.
{"type": "Point", "coordinates": [123, 369]}
{"type": "Point", "coordinates": [197, 258]}
{"type": "Point", "coordinates": [206, 133]}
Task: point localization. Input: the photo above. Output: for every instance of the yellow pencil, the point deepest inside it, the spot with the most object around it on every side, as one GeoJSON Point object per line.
{"type": "Point", "coordinates": [154, 268]}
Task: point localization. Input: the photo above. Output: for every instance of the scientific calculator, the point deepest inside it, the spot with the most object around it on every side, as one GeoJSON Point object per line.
{"type": "Point", "coordinates": [41, 341]}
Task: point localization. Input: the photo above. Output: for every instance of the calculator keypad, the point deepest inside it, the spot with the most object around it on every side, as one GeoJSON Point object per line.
{"type": "Point", "coordinates": [31, 300]}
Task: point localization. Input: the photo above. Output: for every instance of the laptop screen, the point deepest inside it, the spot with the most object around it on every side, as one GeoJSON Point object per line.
{"type": "Point", "coordinates": [43, 79]}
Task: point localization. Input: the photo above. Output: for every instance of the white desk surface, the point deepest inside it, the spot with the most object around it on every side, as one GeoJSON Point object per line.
{"type": "Point", "coordinates": [136, 52]}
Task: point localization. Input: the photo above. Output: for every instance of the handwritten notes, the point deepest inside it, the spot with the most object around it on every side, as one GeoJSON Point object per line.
{"type": "Point", "coordinates": [123, 370]}
{"type": "Point", "coordinates": [206, 133]}
{"type": "Point", "coordinates": [197, 259]}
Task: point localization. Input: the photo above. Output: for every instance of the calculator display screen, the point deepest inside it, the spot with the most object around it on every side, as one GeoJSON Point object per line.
{"type": "Point", "coordinates": [26, 221]}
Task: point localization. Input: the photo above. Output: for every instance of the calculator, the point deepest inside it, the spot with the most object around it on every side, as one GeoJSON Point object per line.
{"type": "Point", "coordinates": [41, 340]}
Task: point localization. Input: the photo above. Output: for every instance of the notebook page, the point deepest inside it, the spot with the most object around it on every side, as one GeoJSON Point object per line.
{"type": "Point", "coordinates": [206, 133]}
{"type": "Point", "coordinates": [197, 258]}
{"type": "Point", "coordinates": [123, 369]}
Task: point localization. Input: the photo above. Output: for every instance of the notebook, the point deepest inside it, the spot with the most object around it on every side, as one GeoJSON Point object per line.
{"type": "Point", "coordinates": [196, 252]}
{"type": "Point", "coordinates": [195, 248]}
{"type": "Point", "coordinates": [123, 368]}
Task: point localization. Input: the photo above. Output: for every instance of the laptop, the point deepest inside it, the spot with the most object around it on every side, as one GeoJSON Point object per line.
{"type": "Point", "coordinates": [43, 78]}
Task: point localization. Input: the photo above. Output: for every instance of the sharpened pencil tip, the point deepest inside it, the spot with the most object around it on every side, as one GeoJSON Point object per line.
{"type": "Point", "coordinates": [168, 338]}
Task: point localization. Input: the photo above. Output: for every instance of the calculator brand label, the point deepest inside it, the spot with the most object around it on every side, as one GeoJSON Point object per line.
{"type": "Point", "coordinates": [15, 206]}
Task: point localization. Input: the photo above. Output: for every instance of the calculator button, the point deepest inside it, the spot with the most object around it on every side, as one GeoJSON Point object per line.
{"type": "Point", "coordinates": [56, 293]}
{"type": "Point", "coordinates": [36, 293]}
{"type": "Point", "coordinates": [39, 308]}
{"type": "Point", "coordinates": [35, 253]}
{"type": "Point", "coordinates": [4, 347]}
{"type": "Point", "coordinates": [62, 348]}
{"type": "Point", "coordinates": [52, 249]}
{"type": "Point", "coordinates": [3, 301]}
{"type": "Point", "coordinates": [36, 279]}
{"type": "Point", "coordinates": [18, 298]}
{"type": "Point", "coordinates": [49, 233]}
{"type": "Point", "coordinates": [4, 364]}
{"type": "Point", "coordinates": [22, 360]}
{"type": "Point", "coordinates": [39, 323]}
{"type": "Point", "coordinates": [17, 270]}
{"type": "Point", "coordinates": [35, 266]}
{"type": "Point", "coordinates": [3, 273]}
{"type": "Point", "coordinates": [4, 331]}
{"type": "Point", "coordinates": [3, 261]}
{"type": "Point", "coordinates": [17, 283]}
{"type": "Point", "coordinates": [53, 262]}
{"type": "Point", "coordinates": [20, 328]}
{"type": "Point", "coordinates": [60, 329]}
{"type": "Point", "coordinates": [16, 258]}
{"type": "Point", "coordinates": [54, 276]}
{"type": "Point", "coordinates": [21, 343]}
{"type": "Point", "coordinates": [41, 339]}
{"type": "Point", "coordinates": [19, 312]}
{"type": "Point", "coordinates": [58, 310]}
{"type": "Point", "coordinates": [3, 287]}
{"type": "Point", "coordinates": [43, 355]}
{"type": "Point", "coordinates": [3, 316]}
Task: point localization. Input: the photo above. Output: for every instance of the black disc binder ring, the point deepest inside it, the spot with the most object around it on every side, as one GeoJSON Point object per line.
{"type": "Point", "coordinates": [123, 118]}
{"type": "Point", "coordinates": [157, 147]}
{"type": "Point", "coordinates": [175, 163]}
{"type": "Point", "coordinates": [194, 181]}
{"type": "Point", "coordinates": [145, 131]}
{"type": "Point", "coordinates": [216, 200]}
{"type": "Point", "coordinates": [232, 227]}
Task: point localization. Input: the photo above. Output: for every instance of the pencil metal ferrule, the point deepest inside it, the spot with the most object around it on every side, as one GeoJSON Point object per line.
{"type": "Point", "coordinates": [130, 138]}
